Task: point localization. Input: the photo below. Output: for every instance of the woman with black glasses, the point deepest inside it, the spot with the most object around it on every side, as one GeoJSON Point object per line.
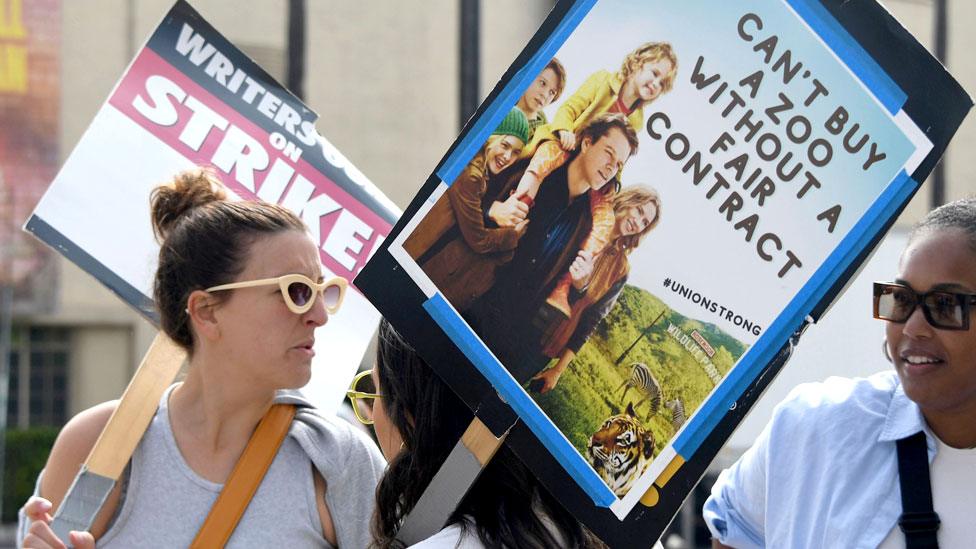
{"type": "Point", "coordinates": [886, 461]}
{"type": "Point", "coordinates": [239, 286]}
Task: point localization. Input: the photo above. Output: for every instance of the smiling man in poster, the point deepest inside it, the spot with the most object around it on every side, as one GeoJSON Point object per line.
{"type": "Point", "coordinates": [508, 315]}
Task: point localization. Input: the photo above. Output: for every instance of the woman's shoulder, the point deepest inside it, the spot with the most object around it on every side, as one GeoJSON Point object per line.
{"type": "Point", "coordinates": [331, 442]}
{"type": "Point", "coordinates": [69, 452]}
{"type": "Point", "coordinates": [88, 424]}
{"type": "Point", "coordinates": [838, 399]}
{"type": "Point", "coordinates": [72, 446]}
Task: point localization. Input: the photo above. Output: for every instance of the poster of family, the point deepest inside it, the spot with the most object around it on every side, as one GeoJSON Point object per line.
{"type": "Point", "coordinates": [651, 202]}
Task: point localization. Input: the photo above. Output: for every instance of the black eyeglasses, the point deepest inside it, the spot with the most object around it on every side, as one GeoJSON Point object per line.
{"type": "Point", "coordinates": [944, 310]}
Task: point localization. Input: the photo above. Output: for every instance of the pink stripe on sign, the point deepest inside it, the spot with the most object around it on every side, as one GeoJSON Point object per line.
{"type": "Point", "coordinates": [207, 131]}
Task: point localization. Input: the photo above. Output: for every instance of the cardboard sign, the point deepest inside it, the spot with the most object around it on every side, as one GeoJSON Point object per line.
{"type": "Point", "coordinates": [792, 135]}
{"type": "Point", "coordinates": [191, 98]}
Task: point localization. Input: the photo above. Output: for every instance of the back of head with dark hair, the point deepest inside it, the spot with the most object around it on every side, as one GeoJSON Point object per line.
{"type": "Point", "coordinates": [602, 124]}
{"type": "Point", "coordinates": [959, 214]}
{"type": "Point", "coordinates": [204, 241]}
{"type": "Point", "coordinates": [505, 506]}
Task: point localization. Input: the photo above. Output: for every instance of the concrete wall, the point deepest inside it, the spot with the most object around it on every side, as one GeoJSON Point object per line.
{"type": "Point", "coordinates": [107, 355]}
{"type": "Point", "coordinates": [918, 16]}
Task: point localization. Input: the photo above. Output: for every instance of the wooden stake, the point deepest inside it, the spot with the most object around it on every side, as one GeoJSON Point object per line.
{"type": "Point", "coordinates": [119, 437]}
{"type": "Point", "coordinates": [453, 480]}
{"type": "Point", "coordinates": [125, 428]}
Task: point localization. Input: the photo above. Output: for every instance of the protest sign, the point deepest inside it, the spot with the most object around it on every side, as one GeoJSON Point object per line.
{"type": "Point", "coordinates": [775, 143]}
{"type": "Point", "coordinates": [191, 98]}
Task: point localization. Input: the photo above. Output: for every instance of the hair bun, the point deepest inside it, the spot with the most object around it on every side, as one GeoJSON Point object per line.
{"type": "Point", "coordinates": [189, 190]}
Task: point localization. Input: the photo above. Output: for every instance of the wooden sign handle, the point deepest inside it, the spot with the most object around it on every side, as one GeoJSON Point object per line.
{"type": "Point", "coordinates": [136, 409]}
{"type": "Point", "coordinates": [119, 437]}
{"type": "Point", "coordinates": [453, 480]}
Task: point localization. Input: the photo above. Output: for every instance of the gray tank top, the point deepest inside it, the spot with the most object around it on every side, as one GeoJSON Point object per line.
{"type": "Point", "coordinates": [166, 502]}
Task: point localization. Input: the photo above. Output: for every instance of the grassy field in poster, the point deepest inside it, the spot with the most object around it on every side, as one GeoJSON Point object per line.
{"type": "Point", "coordinates": [590, 391]}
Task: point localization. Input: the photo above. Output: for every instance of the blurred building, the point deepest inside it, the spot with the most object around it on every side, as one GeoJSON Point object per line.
{"type": "Point", "coordinates": [385, 78]}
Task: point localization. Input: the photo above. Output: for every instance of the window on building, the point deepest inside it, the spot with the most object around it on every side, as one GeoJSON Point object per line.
{"type": "Point", "coordinates": [38, 382]}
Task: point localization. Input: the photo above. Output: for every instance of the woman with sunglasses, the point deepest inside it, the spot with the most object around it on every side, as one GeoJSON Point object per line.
{"type": "Point", "coordinates": [239, 286]}
{"type": "Point", "coordinates": [418, 419]}
{"type": "Point", "coordinates": [826, 471]}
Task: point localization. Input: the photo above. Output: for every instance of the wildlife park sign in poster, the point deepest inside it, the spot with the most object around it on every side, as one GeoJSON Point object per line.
{"type": "Point", "coordinates": [656, 197]}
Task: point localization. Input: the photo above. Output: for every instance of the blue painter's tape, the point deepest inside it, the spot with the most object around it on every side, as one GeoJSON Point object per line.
{"type": "Point", "coordinates": [738, 380]}
{"type": "Point", "coordinates": [519, 400]}
{"type": "Point", "coordinates": [851, 53]}
{"type": "Point", "coordinates": [492, 116]}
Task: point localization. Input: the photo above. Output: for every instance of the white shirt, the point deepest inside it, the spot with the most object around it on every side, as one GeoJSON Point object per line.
{"type": "Point", "coordinates": [953, 476]}
{"type": "Point", "coordinates": [452, 537]}
{"type": "Point", "coordinates": [824, 472]}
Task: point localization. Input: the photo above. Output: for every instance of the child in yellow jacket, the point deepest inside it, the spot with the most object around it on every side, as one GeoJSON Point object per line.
{"type": "Point", "coordinates": [645, 74]}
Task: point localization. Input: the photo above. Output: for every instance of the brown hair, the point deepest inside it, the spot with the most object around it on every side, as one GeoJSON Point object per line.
{"type": "Point", "coordinates": [601, 126]}
{"type": "Point", "coordinates": [649, 53]}
{"type": "Point", "coordinates": [204, 241]}
{"type": "Point", "coordinates": [637, 195]}
{"type": "Point", "coordinates": [560, 71]}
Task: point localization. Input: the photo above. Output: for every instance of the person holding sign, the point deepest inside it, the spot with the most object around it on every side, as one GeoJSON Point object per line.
{"type": "Point", "coordinates": [886, 461]}
{"type": "Point", "coordinates": [239, 286]}
{"type": "Point", "coordinates": [453, 245]}
{"type": "Point", "coordinates": [418, 419]}
{"type": "Point", "coordinates": [637, 210]}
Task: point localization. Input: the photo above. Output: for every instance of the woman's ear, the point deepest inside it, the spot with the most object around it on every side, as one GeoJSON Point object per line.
{"type": "Point", "coordinates": [200, 308]}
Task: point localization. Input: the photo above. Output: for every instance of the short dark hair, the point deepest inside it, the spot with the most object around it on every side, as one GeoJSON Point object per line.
{"type": "Point", "coordinates": [601, 126]}
{"type": "Point", "coordinates": [204, 240]}
{"type": "Point", "coordinates": [506, 507]}
{"type": "Point", "coordinates": [959, 214]}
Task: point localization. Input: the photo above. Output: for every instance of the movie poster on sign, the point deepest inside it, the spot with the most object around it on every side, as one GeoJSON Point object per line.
{"type": "Point", "coordinates": [655, 277]}
{"type": "Point", "coordinates": [191, 98]}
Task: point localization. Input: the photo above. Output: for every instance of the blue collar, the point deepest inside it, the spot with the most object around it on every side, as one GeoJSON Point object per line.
{"type": "Point", "coordinates": [904, 419]}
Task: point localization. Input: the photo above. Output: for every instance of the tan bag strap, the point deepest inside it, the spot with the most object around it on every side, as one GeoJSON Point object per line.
{"type": "Point", "coordinates": [245, 478]}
